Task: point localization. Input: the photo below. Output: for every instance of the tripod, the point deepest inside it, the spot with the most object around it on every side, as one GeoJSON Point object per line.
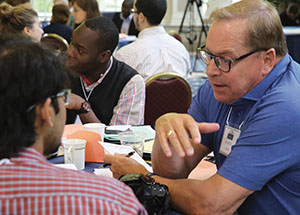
{"type": "Point", "coordinates": [190, 5]}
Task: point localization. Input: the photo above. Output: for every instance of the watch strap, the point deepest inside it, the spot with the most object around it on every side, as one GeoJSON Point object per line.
{"type": "Point", "coordinates": [85, 108]}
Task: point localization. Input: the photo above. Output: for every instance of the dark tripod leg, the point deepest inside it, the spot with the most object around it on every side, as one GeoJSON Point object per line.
{"type": "Point", "coordinates": [186, 8]}
{"type": "Point", "coordinates": [203, 30]}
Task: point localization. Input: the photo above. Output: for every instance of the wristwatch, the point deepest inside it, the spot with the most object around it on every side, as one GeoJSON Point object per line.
{"type": "Point", "coordinates": [85, 108]}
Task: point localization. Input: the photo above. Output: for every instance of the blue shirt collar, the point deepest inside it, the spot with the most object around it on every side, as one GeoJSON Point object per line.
{"type": "Point", "coordinates": [257, 92]}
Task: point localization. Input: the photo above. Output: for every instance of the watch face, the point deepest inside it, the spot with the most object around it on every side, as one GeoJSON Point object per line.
{"type": "Point", "coordinates": [86, 106]}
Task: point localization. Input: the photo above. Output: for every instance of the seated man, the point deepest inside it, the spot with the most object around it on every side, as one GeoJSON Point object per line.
{"type": "Point", "coordinates": [33, 99]}
{"type": "Point", "coordinates": [107, 90]}
{"type": "Point", "coordinates": [154, 51]}
{"type": "Point", "coordinates": [124, 19]}
{"type": "Point", "coordinates": [251, 101]}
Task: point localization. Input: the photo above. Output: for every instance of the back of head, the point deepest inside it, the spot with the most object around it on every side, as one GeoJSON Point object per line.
{"type": "Point", "coordinates": [29, 75]}
{"type": "Point", "coordinates": [264, 25]}
{"type": "Point", "coordinates": [15, 19]}
{"type": "Point", "coordinates": [90, 6]}
{"type": "Point", "coordinates": [60, 14]}
{"type": "Point", "coordinates": [17, 2]}
{"type": "Point", "coordinates": [107, 32]}
{"type": "Point", "coordinates": [153, 10]}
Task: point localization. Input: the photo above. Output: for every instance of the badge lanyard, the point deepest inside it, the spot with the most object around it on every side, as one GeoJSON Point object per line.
{"type": "Point", "coordinates": [230, 136]}
{"type": "Point", "coordinates": [93, 86]}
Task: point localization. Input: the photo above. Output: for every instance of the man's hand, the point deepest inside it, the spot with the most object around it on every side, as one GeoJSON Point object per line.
{"type": "Point", "coordinates": [121, 165]}
{"type": "Point", "coordinates": [181, 131]}
{"type": "Point", "coordinates": [75, 102]}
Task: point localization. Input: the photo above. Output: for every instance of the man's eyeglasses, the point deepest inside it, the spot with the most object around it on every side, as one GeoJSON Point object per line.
{"type": "Point", "coordinates": [223, 64]}
{"type": "Point", "coordinates": [65, 94]}
{"type": "Point", "coordinates": [133, 11]}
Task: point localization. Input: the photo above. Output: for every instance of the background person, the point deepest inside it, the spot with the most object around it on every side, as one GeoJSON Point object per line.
{"type": "Point", "coordinates": [20, 19]}
{"type": "Point", "coordinates": [60, 17]}
{"type": "Point", "coordinates": [154, 51]}
{"type": "Point", "coordinates": [290, 16]}
{"type": "Point", "coordinates": [83, 10]}
{"type": "Point", "coordinates": [124, 19]}
{"type": "Point", "coordinates": [106, 90]}
{"type": "Point", "coordinates": [251, 93]}
{"type": "Point", "coordinates": [33, 99]}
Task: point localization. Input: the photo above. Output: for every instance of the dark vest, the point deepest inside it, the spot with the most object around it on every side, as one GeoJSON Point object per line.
{"type": "Point", "coordinates": [118, 21]}
{"type": "Point", "coordinates": [106, 95]}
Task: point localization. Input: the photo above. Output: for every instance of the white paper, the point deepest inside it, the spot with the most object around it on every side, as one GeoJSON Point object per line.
{"type": "Point", "coordinates": [121, 149]}
{"type": "Point", "coordinates": [103, 172]}
{"type": "Point", "coordinates": [67, 166]}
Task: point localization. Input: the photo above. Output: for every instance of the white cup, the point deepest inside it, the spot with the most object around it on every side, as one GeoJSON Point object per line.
{"type": "Point", "coordinates": [135, 140]}
{"type": "Point", "coordinates": [74, 152]}
{"type": "Point", "coordinates": [96, 127]}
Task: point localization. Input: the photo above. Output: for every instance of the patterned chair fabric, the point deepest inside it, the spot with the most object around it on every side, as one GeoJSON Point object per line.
{"type": "Point", "coordinates": [55, 42]}
{"type": "Point", "coordinates": [166, 92]}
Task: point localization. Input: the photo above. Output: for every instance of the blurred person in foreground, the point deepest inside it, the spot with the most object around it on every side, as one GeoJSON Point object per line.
{"type": "Point", "coordinates": [104, 89]}
{"type": "Point", "coordinates": [20, 19]}
{"type": "Point", "coordinates": [33, 97]}
{"type": "Point", "coordinates": [247, 113]}
{"type": "Point", "coordinates": [25, 3]}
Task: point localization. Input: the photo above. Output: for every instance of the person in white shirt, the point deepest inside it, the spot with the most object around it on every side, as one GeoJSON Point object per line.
{"type": "Point", "coordinates": [154, 51]}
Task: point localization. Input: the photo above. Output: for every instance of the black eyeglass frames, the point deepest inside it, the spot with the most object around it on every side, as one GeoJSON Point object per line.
{"type": "Point", "coordinates": [65, 93]}
{"type": "Point", "coordinates": [223, 64]}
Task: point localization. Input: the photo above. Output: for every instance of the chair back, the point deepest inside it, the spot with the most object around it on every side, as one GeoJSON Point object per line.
{"type": "Point", "coordinates": [55, 42]}
{"type": "Point", "coordinates": [165, 93]}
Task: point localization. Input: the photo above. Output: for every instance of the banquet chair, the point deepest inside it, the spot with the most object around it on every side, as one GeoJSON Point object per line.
{"type": "Point", "coordinates": [55, 42]}
{"type": "Point", "coordinates": [166, 92]}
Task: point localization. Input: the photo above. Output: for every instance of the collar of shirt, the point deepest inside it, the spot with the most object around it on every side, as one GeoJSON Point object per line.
{"type": "Point", "coordinates": [257, 92]}
{"type": "Point", "coordinates": [128, 19]}
{"type": "Point", "coordinates": [90, 86]}
{"type": "Point", "coordinates": [155, 30]}
{"type": "Point", "coordinates": [29, 155]}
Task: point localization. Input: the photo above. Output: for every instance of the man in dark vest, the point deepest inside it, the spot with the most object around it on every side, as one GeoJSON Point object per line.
{"type": "Point", "coordinates": [103, 89]}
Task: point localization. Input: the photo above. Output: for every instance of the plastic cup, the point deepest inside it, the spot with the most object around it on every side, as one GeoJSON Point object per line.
{"type": "Point", "coordinates": [135, 140]}
{"type": "Point", "coordinates": [96, 127]}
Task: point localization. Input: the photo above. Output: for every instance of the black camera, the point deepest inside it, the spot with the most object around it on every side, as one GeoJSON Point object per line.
{"type": "Point", "coordinates": [154, 196]}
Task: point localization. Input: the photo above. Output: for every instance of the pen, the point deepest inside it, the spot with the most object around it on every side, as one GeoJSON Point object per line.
{"type": "Point", "coordinates": [108, 164]}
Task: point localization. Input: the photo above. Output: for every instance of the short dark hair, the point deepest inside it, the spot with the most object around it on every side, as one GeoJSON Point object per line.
{"type": "Point", "coordinates": [107, 32]}
{"type": "Point", "coordinates": [29, 74]}
{"type": "Point", "coordinates": [153, 10]}
{"type": "Point", "coordinates": [293, 8]}
{"type": "Point", "coordinates": [60, 14]}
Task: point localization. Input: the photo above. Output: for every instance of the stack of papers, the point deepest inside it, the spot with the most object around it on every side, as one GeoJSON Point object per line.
{"type": "Point", "coordinates": [121, 149]}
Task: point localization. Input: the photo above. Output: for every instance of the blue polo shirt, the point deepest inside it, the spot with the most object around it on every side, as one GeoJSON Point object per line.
{"type": "Point", "coordinates": [266, 157]}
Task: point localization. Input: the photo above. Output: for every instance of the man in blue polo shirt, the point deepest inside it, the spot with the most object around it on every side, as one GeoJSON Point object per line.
{"type": "Point", "coordinates": [251, 107]}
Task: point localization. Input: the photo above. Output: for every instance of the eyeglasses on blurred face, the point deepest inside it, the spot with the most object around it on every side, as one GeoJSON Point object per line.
{"type": "Point", "coordinates": [65, 94]}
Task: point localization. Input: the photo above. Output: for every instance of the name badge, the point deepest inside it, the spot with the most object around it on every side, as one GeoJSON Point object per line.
{"type": "Point", "coordinates": [229, 139]}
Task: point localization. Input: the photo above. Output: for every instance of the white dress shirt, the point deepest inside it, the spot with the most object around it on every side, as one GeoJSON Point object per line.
{"type": "Point", "coordinates": [154, 52]}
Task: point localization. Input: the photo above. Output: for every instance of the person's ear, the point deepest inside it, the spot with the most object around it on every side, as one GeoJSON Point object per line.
{"type": "Point", "coordinates": [27, 31]}
{"type": "Point", "coordinates": [142, 17]}
{"type": "Point", "coordinates": [46, 112]}
{"type": "Point", "coordinates": [104, 56]}
{"type": "Point", "coordinates": [269, 61]}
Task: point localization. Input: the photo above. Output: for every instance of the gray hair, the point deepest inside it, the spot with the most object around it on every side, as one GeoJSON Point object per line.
{"type": "Point", "coordinates": [263, 24]}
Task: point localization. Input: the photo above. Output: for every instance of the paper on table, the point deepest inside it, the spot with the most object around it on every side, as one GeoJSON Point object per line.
{"type": "Point", "coordinates": [121, 149]}
{"type": "Point", "coordinates": [104, 172]}
{"type": "Point", "coordinates": [67, 166]}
